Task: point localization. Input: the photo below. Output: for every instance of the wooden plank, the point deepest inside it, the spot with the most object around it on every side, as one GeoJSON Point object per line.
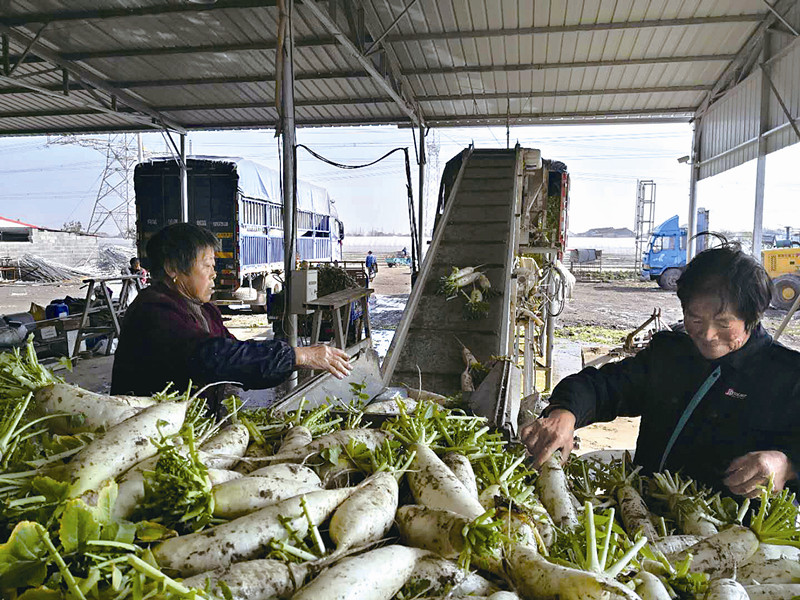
{"type": "Point", "coordinates": [337, 299]}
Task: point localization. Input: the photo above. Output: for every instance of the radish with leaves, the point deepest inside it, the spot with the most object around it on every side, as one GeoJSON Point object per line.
{"type": "Point", "coordinates": [124, 445]}
{"type": "Point", "coordinates": [247, 537]}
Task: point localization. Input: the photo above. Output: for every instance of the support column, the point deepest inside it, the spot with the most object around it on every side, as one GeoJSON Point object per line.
{"type": "Point", "coordinates": [289, 180]}
{"type": "Point", "coordinates": [421, 222]}
{"type": "Point", "coordinates": [761, 161]}
{"type": "Point", "coordinates": [694, 165]}
{"type": "Point", "coordinates": [184, 182]}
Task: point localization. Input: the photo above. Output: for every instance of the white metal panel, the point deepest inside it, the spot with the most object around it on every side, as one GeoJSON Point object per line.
{"type": "Point", "coordinates": [785, 72]}
{"type": "Point", "coordinates": [730, 129]}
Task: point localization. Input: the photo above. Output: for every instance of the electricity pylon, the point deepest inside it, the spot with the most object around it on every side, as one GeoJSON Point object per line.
{"type": "Point", "coordinates": [114, 203]}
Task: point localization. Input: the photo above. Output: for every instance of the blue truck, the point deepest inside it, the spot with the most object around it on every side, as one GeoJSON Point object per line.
{"type": "Point", "coordinates": [665, 256]}
{"type": "Point", "coordinates": [240, 201]}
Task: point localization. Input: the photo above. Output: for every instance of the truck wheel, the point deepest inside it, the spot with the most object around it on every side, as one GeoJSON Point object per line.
{"type": "Point", "coordinates": [787, 288]}
{"type": "Point", "coordinates": [669, 279]}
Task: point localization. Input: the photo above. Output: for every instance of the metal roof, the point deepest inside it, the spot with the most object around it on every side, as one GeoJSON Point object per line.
{"type": "Point", "coordinates": [91, 65]}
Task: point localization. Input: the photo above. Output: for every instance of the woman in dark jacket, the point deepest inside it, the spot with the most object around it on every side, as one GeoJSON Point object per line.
{"type": "Point", "coordinates": [173, 334]}
{"type": "Point", "coordinates": [719, 401]}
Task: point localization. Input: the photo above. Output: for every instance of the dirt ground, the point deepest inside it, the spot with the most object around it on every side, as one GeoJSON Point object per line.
{"type": "Point", "coordinates": [625, 305]}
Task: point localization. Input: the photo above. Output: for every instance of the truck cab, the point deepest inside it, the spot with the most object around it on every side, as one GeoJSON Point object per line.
{"type": "Point", "coordinates": [665, 257]}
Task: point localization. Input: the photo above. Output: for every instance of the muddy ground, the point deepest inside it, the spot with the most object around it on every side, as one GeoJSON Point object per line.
{"type": "Point", "coordinates": [625, 304]}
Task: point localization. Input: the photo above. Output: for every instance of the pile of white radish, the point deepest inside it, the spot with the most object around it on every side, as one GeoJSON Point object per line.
{"type": "Point", "coordinates": [310, 505]}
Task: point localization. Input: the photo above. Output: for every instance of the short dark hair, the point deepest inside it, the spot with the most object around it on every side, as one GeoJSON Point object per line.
{"type": "Point", "coordinates": [739, 281]}
{"type": "Point", "coordinates": [177, 246]}
{"type": "Point", "coordinates": [134, 260]}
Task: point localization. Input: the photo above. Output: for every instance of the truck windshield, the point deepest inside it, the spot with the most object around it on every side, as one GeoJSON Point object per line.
{"type": "Point", "coordinates": [662, 242]}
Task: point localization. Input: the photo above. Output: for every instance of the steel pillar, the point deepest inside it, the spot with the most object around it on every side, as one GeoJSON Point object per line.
{"type": "Point", "coordinates": [421, 226]}
{"type": "Point", "coordinates": [289, 180]}
{"type": "Point", "coordinates": [694, 165]}
{"type": "Point", "coordinates": [184, 182]}
{"type": "Point", "coordinates": [761, 161]}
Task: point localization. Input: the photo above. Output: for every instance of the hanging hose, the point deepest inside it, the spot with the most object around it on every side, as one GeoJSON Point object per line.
{"type": "Point", "coordinates": [409, 193]}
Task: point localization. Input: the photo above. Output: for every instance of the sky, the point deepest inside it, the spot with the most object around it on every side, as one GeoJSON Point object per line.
{"type": "Point", "coordinates": [48, 185]}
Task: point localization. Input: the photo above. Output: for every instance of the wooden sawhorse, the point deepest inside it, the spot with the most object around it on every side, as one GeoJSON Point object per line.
{"type": "Point", "coordinates": [338, 303]}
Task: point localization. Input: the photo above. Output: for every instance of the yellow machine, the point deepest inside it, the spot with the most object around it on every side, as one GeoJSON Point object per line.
{"type": "Point", "coordinates": [783, 265]}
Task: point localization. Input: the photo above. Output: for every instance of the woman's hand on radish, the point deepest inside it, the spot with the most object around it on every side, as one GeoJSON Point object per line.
{"type": "Point", "coordinates": [746, 473]}
{"type": "Point", "coordinates": [324, 358]}
{"type": "Point", "coordinates": [544, 436]}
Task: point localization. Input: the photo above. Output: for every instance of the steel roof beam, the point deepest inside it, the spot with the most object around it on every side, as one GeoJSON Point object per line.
{"type": "Point", "coordinates": [140, 11]}
{"type": "Point", "coordinates": [311, 102]}
{"type": "Point", "coordinates": [570, 65]}
{"type": "Point", "coordinates": [268, 46]}
{"type": "Point", "coordinates": [615, 26]}
{"type": "Point", "coordinates": [62, 112]}
{"type": "Point", "coordinates": [744, 60]}
{"type": "Point", "coordinates": [15, 89]}
{"type": "Point", "coordinates": [382, 83]}
{"type": "Point", "coordinates": [366, 63]}
{"type": "Point", "coordinates": [663, 116]}
{"type": "Point", "coordinates": [88, 77]}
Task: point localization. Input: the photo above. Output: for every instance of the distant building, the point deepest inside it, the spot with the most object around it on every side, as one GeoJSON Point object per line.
{"type": "Point", "coordinates": [606, 232]}
{"type": "Point", "coordinates": [71, 249]}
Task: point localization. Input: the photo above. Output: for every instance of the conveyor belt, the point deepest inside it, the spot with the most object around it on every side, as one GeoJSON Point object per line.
{"type": "Point", "coordinates": [477, 228]}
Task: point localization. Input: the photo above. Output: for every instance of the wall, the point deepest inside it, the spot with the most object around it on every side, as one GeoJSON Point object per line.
{"type": "Point", "coordinates": [57, 246]}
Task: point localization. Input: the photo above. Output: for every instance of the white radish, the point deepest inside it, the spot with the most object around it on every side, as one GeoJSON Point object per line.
{"type": "Point", "coordinates": [720, 554]}
{"type": "Point", "coordinates": [440, 574]}
{"type": "Point", "coordinates": [220, 476]}
{"type": "Point", "coordinates": [540, 519]}
{"type": "Point", "coordinates": [462, 468]}
{"type": "Point", "coordinates": [555, 495]}
{"type": "Point", "coordinates": [371, 438]}
{"type": "Point", "coordinates": [650, 587]}
{"type": "Point", "coordinates": [725, 589]}
{"type": "Point", "coordinates": [634, 512]}
{"type": "Point", "coordinates": [503, 595]}
{"type": "Point", "coordinates": [96, 411]}
{"type": "Point", "coordinates": [673, 544]}
{"type": "Point", "coordinates": [773, 591]}
{"type": "Point", "coordinates": [375, 575]}
{"type": "Point", "coordinates": [537, 578]}
{"type": "Point", "coordinates": [771, 564]}
{"type": "Point", "coordinates": [254, 457]}
{"type": "Point", "coordinates": [390, 407]}
{"type": "Point", "coordinates": [261, 579]}
{"type": "Point", "coordinates": [248, 494]}
{"type": "Point", "coordinates": [124, 445]}
{"type": "Point", "coordinates": [288, 471]}
{"type": "Point", "coordinates": [443, 532]}
{"type": "Point", "coordinates": [367, 515]}
{"type": "Point", "coordinates": [297, 437]}
{"type": "Point", "coordinates": [223, 450]}
{"type": "Point", "coordinates": [247, 537]}
{"type": "Point", "coordinates": [421, 395]}
{"type": "Point", "coordinates": [434, 485]}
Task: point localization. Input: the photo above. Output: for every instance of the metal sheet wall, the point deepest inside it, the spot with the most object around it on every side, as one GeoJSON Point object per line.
{"type": "Point", "coordinates": [730, 128]}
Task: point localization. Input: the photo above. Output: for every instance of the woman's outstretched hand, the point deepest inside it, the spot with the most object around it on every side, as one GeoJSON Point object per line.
{"type": "Point", "coordinates": [547, 434]}
{"type": "Point", "coordinates": [324, 358]}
